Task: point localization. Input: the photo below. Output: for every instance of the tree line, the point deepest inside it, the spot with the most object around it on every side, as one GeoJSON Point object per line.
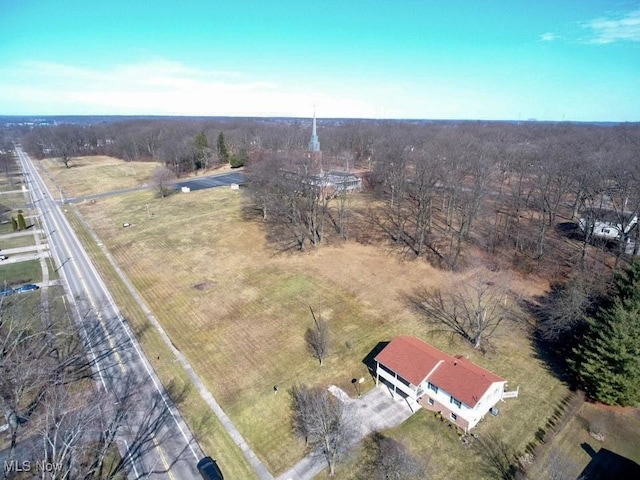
{"type": "Point", "coordinates": [183, 145]}
{"type": "Point", "coordinates": [441, 190]}
{"type": "Point", "coordinates": [444, 186]}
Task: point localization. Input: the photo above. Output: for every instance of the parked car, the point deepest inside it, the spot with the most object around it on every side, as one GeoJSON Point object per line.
{"type": "Point", "coordinates": [27, 288]}
{"type": "Point", "coordinates": [3, 257]}
{"type": "Point", "coordinates": [209, 469]}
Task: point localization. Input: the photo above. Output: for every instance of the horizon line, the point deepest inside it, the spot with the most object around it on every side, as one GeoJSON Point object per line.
{"type": "Point", "coordinates": [289, 117]}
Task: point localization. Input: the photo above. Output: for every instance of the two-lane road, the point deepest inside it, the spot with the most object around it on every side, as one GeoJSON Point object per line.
{"type": "Point", "coordinates": [156, 440]}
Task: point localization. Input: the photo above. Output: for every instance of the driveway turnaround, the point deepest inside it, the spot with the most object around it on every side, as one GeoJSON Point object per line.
{"type": "Point", "coordinates": [375, 410]}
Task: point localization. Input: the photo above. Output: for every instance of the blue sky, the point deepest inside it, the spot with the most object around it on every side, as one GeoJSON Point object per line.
{"type": "Point", "coordinates": [549, 60]}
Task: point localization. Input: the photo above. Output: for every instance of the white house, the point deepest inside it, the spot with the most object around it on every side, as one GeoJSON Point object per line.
{"type": "Point", "coordinates": [427, 377]}
{"type": "Point", "coordinates": [608, 224]}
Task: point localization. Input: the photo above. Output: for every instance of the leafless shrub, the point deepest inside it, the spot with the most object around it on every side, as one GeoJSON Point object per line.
{"type": "Point", "coordinates": [390, 459]}
{"type": "Point", "coordinates": [161, 178]}
{"type": "Point", "coordinates": [317, 338]}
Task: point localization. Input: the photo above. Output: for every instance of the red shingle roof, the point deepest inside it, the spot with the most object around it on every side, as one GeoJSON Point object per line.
{"type": "Point", "coordinates": [415, 360]}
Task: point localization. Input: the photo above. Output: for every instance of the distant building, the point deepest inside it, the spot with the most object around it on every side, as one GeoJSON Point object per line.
{"type": "Point", "coordinates": [314, 143]}
{"type": "Point", "coordinates": [608, 224]}
{"type": "Point", "coordinates": [330, 183]}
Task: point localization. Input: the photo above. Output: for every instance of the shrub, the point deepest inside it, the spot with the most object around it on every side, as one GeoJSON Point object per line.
{"type": "Point", "coordinates": [22, 225]}
{"type": "Point", "coordinates": [239, 159]}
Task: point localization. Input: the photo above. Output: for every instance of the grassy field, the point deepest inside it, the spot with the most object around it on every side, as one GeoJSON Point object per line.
{"type": "Point", "coordinates": [20, 272]}
{"type": "Point", "coordinates": [14, 201]}
{"type": "Point", "coordinates": [621, 430]}
{"type": "Point", "coordinates": [239, 311]}
{"type": "Point", "coordinates": [211, 435]}
{"type": "Point", "coordinates": [19, 241]}
{"type": "Point", "coordinates": [88, 175]}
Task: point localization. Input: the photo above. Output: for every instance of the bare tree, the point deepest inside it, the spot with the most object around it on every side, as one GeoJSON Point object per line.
{"type": "Point", "coordinates": [318, 418]}
{"type": "Point", "coordinates": [423, 177]}
{"type": "Point", "coordinates": [472, 309]}
{"type": "Point", "coordinates": [67, 142]}
{"type": "Point", "coordinates": [263, 182]}
{"type": "Point", "coordinates": [498, 457]}
{"type": "Point", "coordinates": [566, 307]}
{"type": "Point", "coordinates": [391, 460]}
{"type": "Point", "coordinates": [317, 338]}
{"type": "Point", "coordinates": [391, 172]}
{"type": "Point", "coordinates": [294, 195]}
{"type": "Point", "coordinates": [560, 466]}
{"type": "Point", "coordinates": [46, 383]}
{"type": "Point", "coordinates": [162, 177]}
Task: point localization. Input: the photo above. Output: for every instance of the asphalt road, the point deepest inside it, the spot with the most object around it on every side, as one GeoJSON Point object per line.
{"type": "Point", "coordinates": [155, 438]}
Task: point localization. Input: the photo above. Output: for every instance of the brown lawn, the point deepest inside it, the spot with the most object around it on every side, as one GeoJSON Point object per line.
{"type": "Point", "coordinates": [239, 311]}
{"type": "Point", "coordinates": [98, 174]}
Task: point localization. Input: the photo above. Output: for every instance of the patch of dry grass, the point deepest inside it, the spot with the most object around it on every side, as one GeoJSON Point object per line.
{"type": "Point", "coordinates": [620, 427]}
{"type": "Point", "coordinates": [208, 430]}
{"type": "Point", "coordinates": [88, 175]}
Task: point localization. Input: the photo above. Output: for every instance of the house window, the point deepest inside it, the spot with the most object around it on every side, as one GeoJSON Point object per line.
{"type": "Point", "coordinates": [431, 386]}
{"type": "Point", "coordinates": [456, 402]}
{"type": "Point", "coordinates": [430, 401]}
{"type": "Point", "coordinates": [454, 417]}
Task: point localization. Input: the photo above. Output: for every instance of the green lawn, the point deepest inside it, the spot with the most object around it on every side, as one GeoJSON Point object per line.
{"type": "Point", "coordinates": [14, 201]}
{"type": "Point", "coordinates": [20, 272]}
{"type": "Point", "coordinates": [19, 241]}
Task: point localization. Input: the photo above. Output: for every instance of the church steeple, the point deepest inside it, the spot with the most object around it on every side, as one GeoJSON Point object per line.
{"type": "Point", "coordinates": [314, 144]}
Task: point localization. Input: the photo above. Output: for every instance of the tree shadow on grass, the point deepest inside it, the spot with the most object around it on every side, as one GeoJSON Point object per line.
{"type": "Point", "coordinates": [553, 354]}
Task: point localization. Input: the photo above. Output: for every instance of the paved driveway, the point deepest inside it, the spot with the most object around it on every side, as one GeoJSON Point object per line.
{"type": "Point", "coordinates": [374, 411]}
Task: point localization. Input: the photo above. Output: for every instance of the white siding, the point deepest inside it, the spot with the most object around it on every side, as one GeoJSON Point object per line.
{"type": "Point", "coordinates": [409, 391]}
{"type": "Point", "coordinates": [471, 415]}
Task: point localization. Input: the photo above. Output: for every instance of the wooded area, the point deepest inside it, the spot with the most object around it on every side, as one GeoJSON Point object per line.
{"type": "Point", "coordinates": [558, 199]}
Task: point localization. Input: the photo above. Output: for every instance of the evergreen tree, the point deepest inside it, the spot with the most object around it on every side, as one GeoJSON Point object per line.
{"type": "Point", "coordinates": [203, 152]}
{"type": "Point", "coordinates": [628, 282]}
{"type": "Point", "coordinates": [223, 151]}
{"type": "Point", "coordinates": [14, 224]}
{"type": "Point", "coordinates": [607, 361]}
{"type": "Point", "coordinates": [239, 159]}
{"type": "Point", "coordinates": [22, 225]}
